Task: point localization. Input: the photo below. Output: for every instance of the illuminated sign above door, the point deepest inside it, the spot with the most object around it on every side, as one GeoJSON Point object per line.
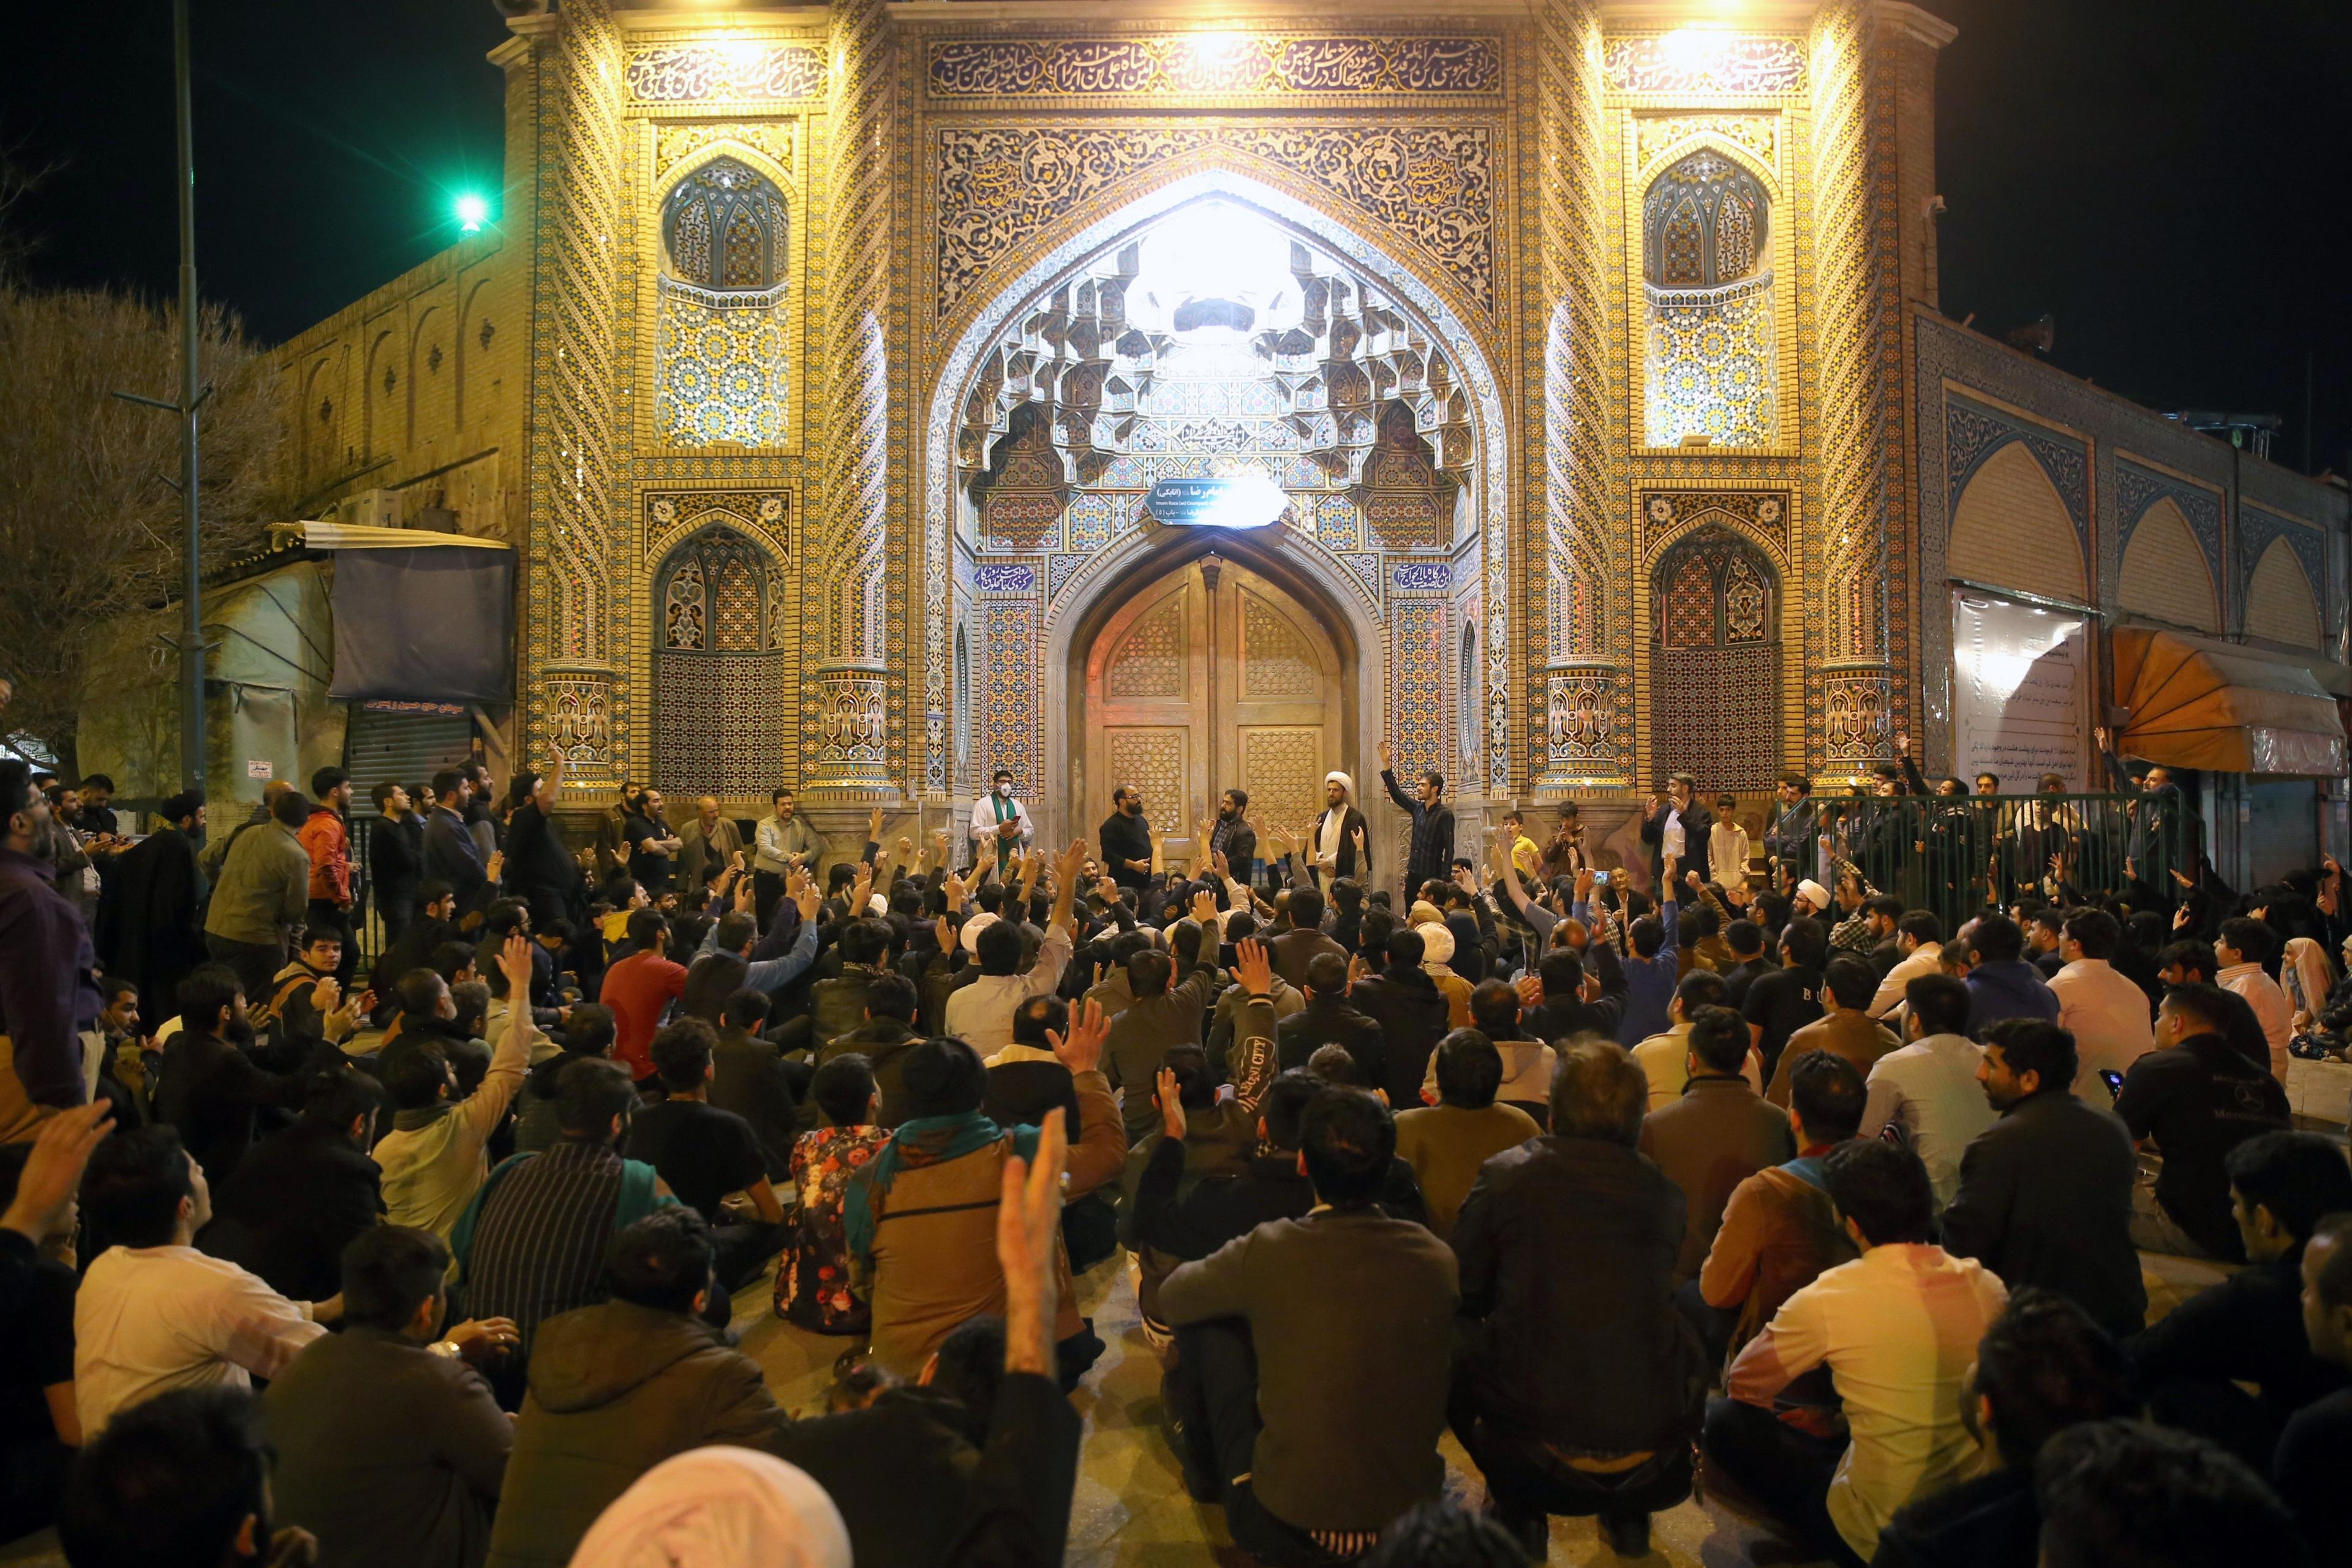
{"type": "Point", "coordinates": [1232, 501]}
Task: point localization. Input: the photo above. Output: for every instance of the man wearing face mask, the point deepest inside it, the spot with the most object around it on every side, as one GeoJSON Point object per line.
{"type": "Point", "coordinates": [1126, 839]}
{"type": "Point", "coordinates": [49, 1000]}
{"type": "Point", "coordinates": [1000, 824]}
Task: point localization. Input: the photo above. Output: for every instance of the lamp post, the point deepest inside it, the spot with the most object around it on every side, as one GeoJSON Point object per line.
{"type": "Point", "coordinates": [191, 640]}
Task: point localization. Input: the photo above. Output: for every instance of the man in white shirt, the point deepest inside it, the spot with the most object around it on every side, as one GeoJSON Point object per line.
{"type": "Point", "coordinates": [1929, 1085]}
{"type": "Point", "coordinates": [980, 1014]}
{"type": "Point", "coordinates": [1919, 945]}
{"type": "Point", "coordinates": [1727, 849]}
{"type": "Point", "coordinates": [435, 1158]}
{"type": "Point", "coordinates": [1000, 826]}
{"type": "Point", "coordinates": [2241, 950]}
{"type": "Point", "coordinates": [154, 1314]}
{"type": "Point", "coordinates": [2105, 1010]}
{"type": "Point", "coordinates": [1898, 1329]}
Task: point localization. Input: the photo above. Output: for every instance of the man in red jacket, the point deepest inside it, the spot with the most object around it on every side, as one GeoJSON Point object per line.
{"type": "Point", "coordinates": [638, 988]}
{"type": "Point", "coordinates": [326, 837]}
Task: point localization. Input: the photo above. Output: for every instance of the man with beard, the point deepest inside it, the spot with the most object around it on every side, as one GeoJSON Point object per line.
{"type": "Point", "coordinates": [651, 845]}
{"type": "Point", "coordinates": [1232, 837]}
{"type": "Point", "coordinates": [147, 923]}
{"type": "Point", "coordinates": [1429, 856]}
{"type": "Point", "coordinates": [395, 859]}
{"type": "Point", "coordinates": [208, 1087]}
{"type": "Point", "coordinates": [538, 869]}
{"type": "Point", "coordinates": [1331, 843]}
{"type": "Point", "coordinates": [450, 853]}
{"type": "Point", "coordinates": [1126, 839]}
{"type": "Point", "coordinates": [263, 893]}
{"type": "Point", "coordinates": [49, 1001]}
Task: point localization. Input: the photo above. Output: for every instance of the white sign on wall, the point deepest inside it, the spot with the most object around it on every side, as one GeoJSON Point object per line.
{"type": "Point", "coordinates": [2020, 689]}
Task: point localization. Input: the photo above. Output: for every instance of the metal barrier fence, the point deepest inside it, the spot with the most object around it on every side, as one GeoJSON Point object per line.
{"type": "Point", "coordinates": [1955, 854]}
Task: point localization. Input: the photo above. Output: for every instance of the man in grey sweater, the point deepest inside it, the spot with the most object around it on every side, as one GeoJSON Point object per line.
{"type": "Point", "coordinates": [1313, 1355]}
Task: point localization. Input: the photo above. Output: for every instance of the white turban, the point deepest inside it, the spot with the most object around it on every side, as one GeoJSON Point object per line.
{"type": "Point", "coordinates": [718, 1508]}
{"type": "Point", "coordinates": [973, 926]}
{"type": "Point", "coordinates": [1436, 941]}
{"type": "Point", "coordinates": [1342, 780]}
{"type": "Point", "coordinates": [1813, 893]}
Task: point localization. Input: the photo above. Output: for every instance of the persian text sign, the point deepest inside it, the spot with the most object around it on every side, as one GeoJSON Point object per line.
{"type": "Point", "coordinates": [2019, 686]}
{"type": "Point", "coordinates": [1239, 501]}
{"type": "Point", "coordinates": [1214, 63]}
{"type": "Point", "coordinates": [731, 73]}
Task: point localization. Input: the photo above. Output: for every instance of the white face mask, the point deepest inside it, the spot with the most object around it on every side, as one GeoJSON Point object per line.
{"type": "Point", "coordinates": [1005, 790]}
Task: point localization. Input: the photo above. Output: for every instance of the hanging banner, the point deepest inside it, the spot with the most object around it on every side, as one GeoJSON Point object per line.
{"type": "Point", "coordinates": [1233, 501]}
{"type": "Point", "coordinates": [2021, 690]}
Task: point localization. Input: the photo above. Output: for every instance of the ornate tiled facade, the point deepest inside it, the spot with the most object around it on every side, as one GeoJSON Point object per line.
{"type": "Point", "coordinates": [1590, 302]}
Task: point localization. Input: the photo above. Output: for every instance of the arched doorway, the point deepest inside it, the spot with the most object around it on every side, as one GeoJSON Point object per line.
{"type": "Point", "coordinates": [1209, 676]}
{"type": "Point", "coordinates": [1715, 663]}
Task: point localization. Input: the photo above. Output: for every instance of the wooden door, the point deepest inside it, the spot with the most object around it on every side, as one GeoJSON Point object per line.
{"type": "Point", "coordinates": [1210, 679]}
{"type": "Point", "coordinates": [1278, 700]}
{"type": "Point", "coordinates": [1147, 712]}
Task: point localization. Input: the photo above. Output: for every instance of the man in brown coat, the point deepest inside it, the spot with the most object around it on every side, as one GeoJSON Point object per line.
{"type": "Point", "coordinates": [1845, 1027]}
{"type": "Point", "coordinates": [1779, 1230]}
{"type": "Point", "coordinates": [1719, 1133]}
{"type": "Point", "coordinates": [1294, 948]}
{"type": "Point", "coordinates": [618, 1388]}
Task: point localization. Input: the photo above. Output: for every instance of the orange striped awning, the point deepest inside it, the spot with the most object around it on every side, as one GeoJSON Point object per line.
{"type": "Point", "coordinates": [2195, 706]}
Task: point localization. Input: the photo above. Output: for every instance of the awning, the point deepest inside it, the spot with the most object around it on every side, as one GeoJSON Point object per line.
{"type": "Point", "coordinates": [2216, 706]}
{"type": "Point", "coordinates": [362, 536]}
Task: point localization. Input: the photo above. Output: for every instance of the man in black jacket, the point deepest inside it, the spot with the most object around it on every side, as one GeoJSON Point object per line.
{"type": "Point", "coordinates": [539, 868]}
{"type": "Point", "coordinates": [300, 1195]}
{"type": "Point", "coordinates": [2195, 1361]}
{"type": "Point", "coordinates": [1676, 830]}
{"type": "Point", "coordinates": [1125, 840]}
{"type": "Point", "coordinates": [2045, 1193]}
{"type": "Point", "coordinates": [395, 859]}
{"type": "Point", "coordinates": [1581, 1385]}
{"type": "Point", "coordinates": [148, 930]}
{"type": "Point", "coordinates": [1566, 1008]}
{"type": "Point", "coordinates": [208, 1087]}
{"type": "Point", "coordinates": [1329, 1019]}
{"type": "Point", "coordinates": [2196, 1098]}
{"type": "Point", "coordinates": [2042, 1366]}
{"type": "Point", "coordinates": [1232, 837]}
{"type": "Point", "coordinates": [1275, 1333]}
{"type": "Point", "coordinates": [1429, 855]}
{"type": "Point", "coordinates": [1410, 1012]}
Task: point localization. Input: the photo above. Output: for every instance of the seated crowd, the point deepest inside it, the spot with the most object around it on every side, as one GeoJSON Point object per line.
{"type": "Point", "coordinates": [1635, 1182]}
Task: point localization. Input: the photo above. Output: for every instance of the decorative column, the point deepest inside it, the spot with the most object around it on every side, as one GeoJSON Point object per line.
{"type": "Point", "coordinates": [844, 741]}
{"type": "Point", "coordinates": [1857, 696]}
{"type": "Point", "coordinates": [579, 706]}
{"type": "Point", "coordinates": [1582, 719]}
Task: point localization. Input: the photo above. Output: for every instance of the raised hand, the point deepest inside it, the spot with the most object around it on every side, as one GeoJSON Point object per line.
{"type": "Point", "coordinates": [1028, 1231]}
{"type": "Point", "coordinates": [514, 962]}
{"type": "Point", "coordinates": [1205, 908]}
{"type": "Point", "coordinates": [1069, 863]}
{"type": "Point", "coordinates": [1388, 758]}
{"type": "Point", "coordinates": [745, 896]}
{"type": "Point", "coordinates": [1082, 1051]}
{"type": "Point", "coordinates": [944, 934]}
{"type": "Point", "coordinates": [874, 826]}
{"type": "Point", "coordinates": [1531, 990]}
{"type": "Point", "coordinates": [52, 1172]}
{"type": "Point", "coordinates": [1584, 885]}
{"type": "Point", "coordinates": [1172, 1107]}
{"type": "Point", "coordinates": [804, 897]}
{"type": "Point", "coordinates": [1253, 969]}
{"type": "Point", "coordinates": [1902, 743]}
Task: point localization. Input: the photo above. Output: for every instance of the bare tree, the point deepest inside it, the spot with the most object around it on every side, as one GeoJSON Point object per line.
{"type": "Point", "coordinates": [90, 518]}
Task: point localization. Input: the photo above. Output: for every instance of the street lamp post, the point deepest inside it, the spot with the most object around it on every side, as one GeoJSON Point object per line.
{"type": "Point", "coordinates": [191, 640]}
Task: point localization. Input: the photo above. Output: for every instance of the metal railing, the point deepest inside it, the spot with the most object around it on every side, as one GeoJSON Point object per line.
{"type": "Point", "coordinates": [1955, 854]}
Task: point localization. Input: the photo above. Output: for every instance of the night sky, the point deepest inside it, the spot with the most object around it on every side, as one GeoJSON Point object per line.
{"type": "Point", "coordinates": [2156, 173]}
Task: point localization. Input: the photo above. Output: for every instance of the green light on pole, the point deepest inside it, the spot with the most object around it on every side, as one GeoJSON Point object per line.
{"type": "Point", "coordinates": [473, 212]}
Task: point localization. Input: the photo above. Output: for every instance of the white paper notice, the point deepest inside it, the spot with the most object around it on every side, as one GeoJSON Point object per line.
{"type": "Point", "coordinates": [2019, 688]}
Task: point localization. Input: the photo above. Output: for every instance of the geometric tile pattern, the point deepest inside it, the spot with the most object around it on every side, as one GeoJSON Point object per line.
{"type": "Point", "coordinates": [1221, 63]}
{"type": "Point", "coordinates": [1433, 185]}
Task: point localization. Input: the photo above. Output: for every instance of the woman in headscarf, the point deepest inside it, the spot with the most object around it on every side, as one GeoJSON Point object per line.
{"type": "Point", "coordinates": [718, 1508]}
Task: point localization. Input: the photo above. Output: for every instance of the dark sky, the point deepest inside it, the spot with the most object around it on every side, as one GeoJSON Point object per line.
{"type": "Point", "coordinates": [2156, 173]}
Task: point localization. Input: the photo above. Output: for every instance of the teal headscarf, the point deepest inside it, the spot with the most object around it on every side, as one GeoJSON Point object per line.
{"type": "Point", "coordinates": [924, 1140]}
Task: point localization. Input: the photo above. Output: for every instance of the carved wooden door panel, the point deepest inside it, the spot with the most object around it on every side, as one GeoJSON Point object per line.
{"type": "Point", "coordinates": [1147, 711]}
{"type": "Point", "coordinates": [1211, 679]}
{"type": "Point", "coordinates": [1276, 698]}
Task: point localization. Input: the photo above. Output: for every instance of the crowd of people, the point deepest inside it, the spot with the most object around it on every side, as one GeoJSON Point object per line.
{"type": "Point", "coordinates": [1729, 1164]}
